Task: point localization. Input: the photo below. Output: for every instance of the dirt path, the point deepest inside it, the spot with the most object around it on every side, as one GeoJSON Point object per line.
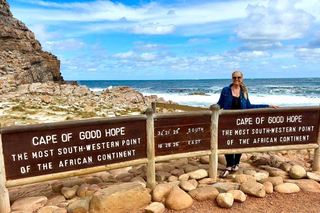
{"type": "Point", "coordinates": [302, 202]}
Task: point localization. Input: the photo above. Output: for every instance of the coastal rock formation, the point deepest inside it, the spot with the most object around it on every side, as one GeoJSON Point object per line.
{"type": "Point", "coordinates": [51, 102]}
{"type": "Point", "coordinates": [22, 58]}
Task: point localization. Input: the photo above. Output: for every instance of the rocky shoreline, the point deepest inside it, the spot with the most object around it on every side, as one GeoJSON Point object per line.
{"type": "Point", "coordinates": [52, 102]}
{"type": "Point", "coordinates": [180, 183]}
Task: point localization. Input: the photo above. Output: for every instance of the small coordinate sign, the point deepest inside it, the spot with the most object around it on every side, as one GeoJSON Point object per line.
{"type": "Point", "coordinates": [182, 134]}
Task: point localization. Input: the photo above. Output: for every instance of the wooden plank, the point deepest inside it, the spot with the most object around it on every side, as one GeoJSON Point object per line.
{"type": "Point", "coordinates": [67, 124]}
{"type": "Point", "coordinates": [268, 149]}
{"type": "Point", "coordinates": [270, 110]}
{"type": "Point", "coordinates": [66, 148]}
{"type": "Point", "coordinates": [179, 120]}
{"type": "Point", "coordinates": [179, 107]}
{"type": "Point", "coordinates": [182, 155]}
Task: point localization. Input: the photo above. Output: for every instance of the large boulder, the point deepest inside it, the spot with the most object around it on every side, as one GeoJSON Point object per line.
{"type": "Point", "coordinates": [178, 199]}
{"type": "Point", "coordinates": [297, 172]}
{"type": "Point", "coordinates": [120, 198]}
{"type": "Point", "coordinates": [287, 188]}
{"type": "Point", "coordinates": [31, 204]}
{"type": "Point", "coordinates": [204, 193]}
{"type": "Point", "coordinates": [225, 200]}
{"type": "Point", "coordinates": [254, 189]}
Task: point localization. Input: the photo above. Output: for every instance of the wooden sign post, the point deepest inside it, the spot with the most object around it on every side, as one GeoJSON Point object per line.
{"type": "Point", "coordinates": [4, 193]}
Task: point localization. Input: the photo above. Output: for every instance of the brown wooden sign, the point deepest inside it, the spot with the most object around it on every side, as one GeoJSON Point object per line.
{"type": "Point", "coordinates": [275, 128]}
{"type": "Point", "coordinates": [60, 147]}
{"type": "Point", "coordinates": [182, 134]}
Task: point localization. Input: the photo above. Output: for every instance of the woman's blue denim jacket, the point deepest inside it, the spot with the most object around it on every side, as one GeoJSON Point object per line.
{"type": "Point", "coordinates": [225, 100]}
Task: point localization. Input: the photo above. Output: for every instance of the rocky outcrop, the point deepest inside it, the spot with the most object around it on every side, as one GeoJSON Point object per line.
{"type": "Point", "coordinates": [51, 102]}
{"type": "Point", "coordinates": [22, 58]}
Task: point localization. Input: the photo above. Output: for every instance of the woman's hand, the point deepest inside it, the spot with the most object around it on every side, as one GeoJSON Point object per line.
{"type": "Point", "coordinates": [273, 106]}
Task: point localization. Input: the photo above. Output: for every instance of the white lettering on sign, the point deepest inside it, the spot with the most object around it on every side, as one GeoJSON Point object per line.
{"type": "Point", "coordinates": [294, 119]}
{"type": "Point", "coordinates": [43, 140]}
{"type": "Point", "coordinates": [130, 142]}
{"type": "Point", "coordinates": [241, 131]}
{"type": "Point", "coordinates": [229, 142]}
{"type": "Point", "coordinates": [41, 154]}
{"type": "Point", "coordinates": [25, 169]}
{"type": "Point", "coordinates": [168, 132]}
{"type": "Point", "coordinates": [306, 128]}
{"type": "Point", "coordinates": [44, 166]}
{"type": "Point", "coordinates": [298, 138]}
{"type": "Point", "coordinates": [273, 130]}
{"type": "Point", "coordinates": [75, 161]}
{"type": "Point", "coordinates": [115, 155]}
{"type": "Point", "coordinates": [260, 120]}
{"type": "Point", "coordinates": [87, 135]}
{"type": "Point", "coordinates": [168, 145]}
{"type": "Point", "coordinates": [227, 132]}
{"type": "Point", "coordinates": [194, 142]}
{"type": "Point", "coordinates": [265, 140]}
{"type": "Point", "coordinates": [20, 156]}
{"type": "Point", "coordinates": [275, 119]}
{"type": "Point", "coordinates": [66, 137]}
{"type": "Point", "coordinates": [195, 130]}
{"type": "Point", "coordinates": [244, 121]}
{"type": "Point", "coordinates": [70, 150]}
{"type": "Point", "coordinates": [114, 132]}
{"type": "Point", "coordinates": [244, 141]}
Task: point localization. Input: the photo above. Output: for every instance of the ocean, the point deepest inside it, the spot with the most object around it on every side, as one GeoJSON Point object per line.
{"type": "Point", "coordinates": [284, 92]}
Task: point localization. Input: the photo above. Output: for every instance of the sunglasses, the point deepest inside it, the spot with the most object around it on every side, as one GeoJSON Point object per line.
{"type": "Point", "coordinates": [236, 77]}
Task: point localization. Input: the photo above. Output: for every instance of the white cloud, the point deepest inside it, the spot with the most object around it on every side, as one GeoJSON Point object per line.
{"type": "Point", "coordinates": [215, 58]}
{"type": "Point", "coordinates": [245, 56]}
{"type": "Point", "coordinates": [149, 56]}
{"type": "Point", "coordinates": [42, 34]}
{"type": "Point", "coordinates": [126, 55]}
{"type": "Point", "coordinates": [311, 7]}
{"type": "Point", "coordinates": [261, 45]}
{"type": "Point", "coordinates": [290, 67]}
{"type": "Point", "coordinates": [308, 54]}
{"type": "Point", "coordinates": [315, 41]}
{"type": "Point", "coordinates": [153, 29]}
{"type": "Point", "coordinates": [115, 16]}
{"type": "Point", "coordinates": [149, 47]}
{"type": "Point", "coordinates": [64, 45]}
{"type": "Point", "coordinates": [132, 56]}
{"type": "Point", "coordinates": [280, 20]}
{"type": "Point", "coordinates": [199, 40]}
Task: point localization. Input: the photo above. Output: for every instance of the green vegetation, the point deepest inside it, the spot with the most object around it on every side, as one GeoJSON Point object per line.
{"type": "Point", "coordinates": [198, 93]}
{"type": "Point", "coordinates": [18, 108]}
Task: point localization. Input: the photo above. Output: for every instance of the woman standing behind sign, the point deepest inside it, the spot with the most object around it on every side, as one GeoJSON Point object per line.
{"type": "Point", "coordinates": [234, 97]}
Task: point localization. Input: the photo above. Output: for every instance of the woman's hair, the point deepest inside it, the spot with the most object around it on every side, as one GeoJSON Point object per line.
{"type": "Point", "coordinates": [242, 85]}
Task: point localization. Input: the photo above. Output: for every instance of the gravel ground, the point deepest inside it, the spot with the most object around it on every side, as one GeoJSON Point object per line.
{"type": "Point", "coordinates": [302, 202]}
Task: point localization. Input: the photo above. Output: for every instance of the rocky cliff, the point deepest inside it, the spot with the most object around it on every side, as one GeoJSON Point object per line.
{"type": "Point", "coordinates": [22, 59]}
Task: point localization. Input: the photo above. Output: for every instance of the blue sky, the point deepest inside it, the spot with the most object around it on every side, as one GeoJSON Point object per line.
{"type": "Point", "coordinates": [177, 39]}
